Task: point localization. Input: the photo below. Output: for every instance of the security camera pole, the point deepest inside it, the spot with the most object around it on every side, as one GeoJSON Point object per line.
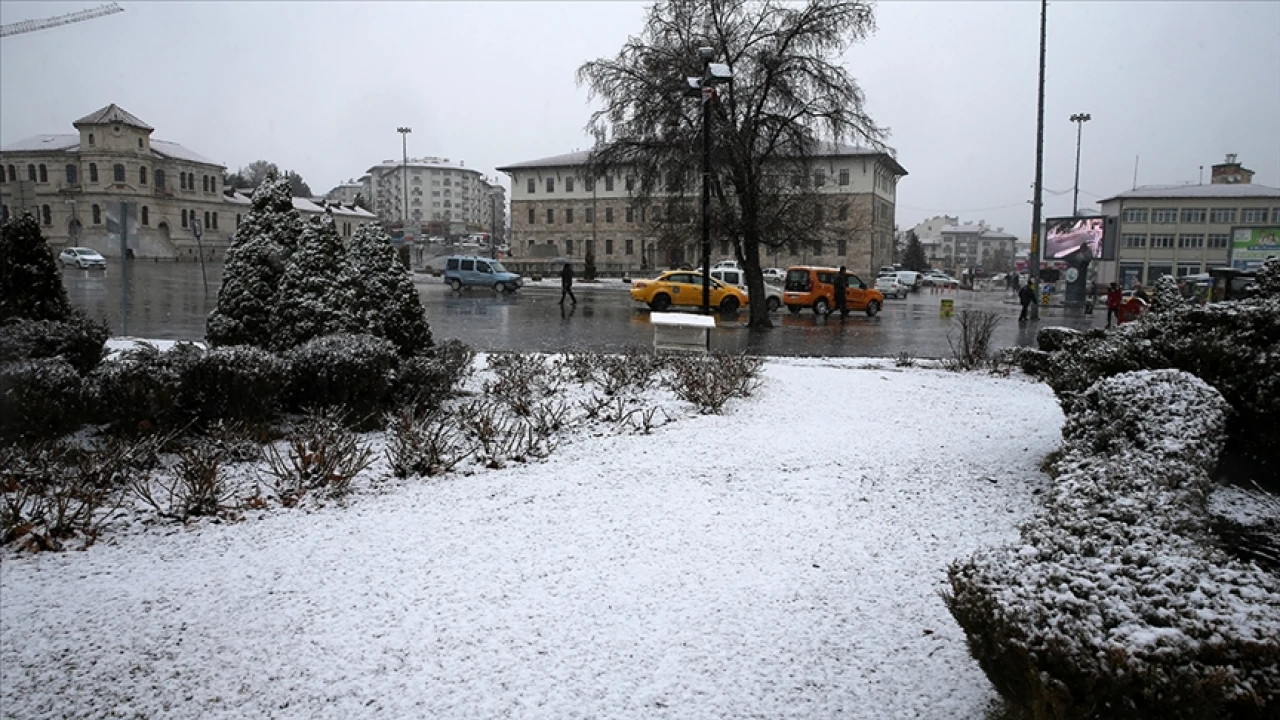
{"type": "Point", "coordinates": [1079, 119]}
{"type": "Point", "coordinates": [704, 87]}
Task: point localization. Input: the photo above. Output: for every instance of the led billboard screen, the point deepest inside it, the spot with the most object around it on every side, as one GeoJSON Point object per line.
{"type": "Point", "coordinates": [1064, 236]}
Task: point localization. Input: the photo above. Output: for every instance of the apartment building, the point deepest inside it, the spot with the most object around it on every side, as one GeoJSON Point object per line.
{"type": "Point", "coordinates": [557, 211]}
{"type": "Point", "coordinates": [439, 191]}
{"type": "Point", "coordinates": [1187, 229]}
{"type": "Point", "coordinates": [972, 246]}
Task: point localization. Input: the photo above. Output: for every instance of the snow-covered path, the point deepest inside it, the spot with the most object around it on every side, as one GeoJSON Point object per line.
{"type": "Point", "coordinates": [784, 560]}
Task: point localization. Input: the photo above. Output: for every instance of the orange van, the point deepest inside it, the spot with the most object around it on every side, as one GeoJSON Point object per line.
{"type": "Point", "coordinates": [806, 286]}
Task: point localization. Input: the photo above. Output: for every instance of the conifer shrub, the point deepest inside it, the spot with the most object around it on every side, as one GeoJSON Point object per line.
{"type": "Point", "coordinates": [30, 284]}
{"type": "Point", "coordinates": [352, 374]}
{"type": "Point", "coordinates": [425, 381]}
{"type": "Point", "coordinates": [138, 391]}
{"type": "Point", "coordinates": [384, 300]}
{"type": "Point", "coordinates": [77, 339]}
{"type": "Point", "coordinates": [236, 383]}
{"type": "Point", "coordinates": [316, 295]}
{"type": "Point", "coordinates": [40, 399]}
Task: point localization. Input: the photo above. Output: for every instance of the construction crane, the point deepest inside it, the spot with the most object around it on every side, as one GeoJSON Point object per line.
{"type": "Point", "coordinates": [27, 26]}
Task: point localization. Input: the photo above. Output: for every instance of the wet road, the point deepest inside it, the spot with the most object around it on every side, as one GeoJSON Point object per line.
{"type": "Point", "coordinates": [168, 301]}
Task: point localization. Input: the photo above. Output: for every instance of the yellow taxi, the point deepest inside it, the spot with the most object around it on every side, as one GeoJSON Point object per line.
{"type": "Point", "coordinates": [684, 287]}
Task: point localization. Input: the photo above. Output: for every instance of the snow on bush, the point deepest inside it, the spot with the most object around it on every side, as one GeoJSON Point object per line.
{"type": "Point", "coordinates": [238, 382]}
{"type": "Point", "coordinates": [1166, 297]}
{"type": "Point", "coordinates": [315, 295]}
{"type": "Point", "coordinates": [40, 398]}
{"type": "Point", "coordinates": [138, 391]}
{"type": "Point", "coordinates": [426, 381]}
{"type": "Point", "coordinates": [1054, 338]}
{"type": "Point", "coordinates": [355, 373]}
{"type": "Point", "coordinates": [30, 284]}
{"type": "Point", "coordinates": [1268, 279]}
{"type": "Point", "coordinates": [1114, 604]}
{"type": "Point", "coordinates": [385, 302]}
{"type": "Point", "coordinates": [77, 339]}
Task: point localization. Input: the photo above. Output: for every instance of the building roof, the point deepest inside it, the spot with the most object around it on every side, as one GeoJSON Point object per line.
{"type": "Point", "coordinates": [1240, 190]}
{"type": "Point", "coordinates": [44, 143]}
{"type": "Point", "coordinates": [967, 228]}
{"type": "Point", "coordinates": [305, 205]}
{"type": "Point", "coordinates": [178, 152]}
{"type": "Point", "coordinates": [824, 149]}
{"type": "Point", "coordinates": [111, 115]}
{"type": "Point", "coordinates": [423, 162]}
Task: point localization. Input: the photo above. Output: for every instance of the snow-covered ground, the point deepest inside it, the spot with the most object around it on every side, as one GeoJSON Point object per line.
{"type": "Point", "coordinates": [781, 561]}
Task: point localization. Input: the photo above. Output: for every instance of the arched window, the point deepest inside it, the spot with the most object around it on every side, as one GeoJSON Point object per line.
{"type": "Point", "coordinates": [93, 172]}
{"type": "Point", "coordinates": [139, 143]}
{"type": "Point", "coordinates": [215, 221]}
{"type": "Point", "coordinates": [160, 179]}
{"type": "Point", "coordinates": [182, 181]}
{"type": "Point", "coordinates": [118, 171]}
{"type": "Point", "coordinates": [213, 183]}
{"type": "Point", "coordinates": [48, 214]}
{"type": "Point", "coordinates": [97, 214]}
{"type": "Point", "coordinates": [44, 174]}
{"type": "Point", "coordinates": [31, 172]}
{"type": "Point", "coordinates": [146, 216]}
{"type": "Point", "coordinates": [184, 218]}
{"type": "Point", "coordinates": [142, 175]}
{"type": "Point", "coordinates": [90, 139]}
{"type": "Point", "coordinates": [204, 182]}
{"type": "Point", "coordinates": [72, 176]}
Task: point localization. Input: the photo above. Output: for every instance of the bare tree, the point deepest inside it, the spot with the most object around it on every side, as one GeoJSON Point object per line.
{"type": "Point", "coordinates": [788, 104]}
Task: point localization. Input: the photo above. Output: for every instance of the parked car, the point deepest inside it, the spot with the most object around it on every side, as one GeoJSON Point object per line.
{"type": "Point", "coordinates": [738, 279]}
{"type": "Point", "coordinates": [777, 275]}
{"type": "Point", "coordinates": [469, 271]}
{"type": "Point", "coordinates": [890, 285]}
{"type": "Point", "coordinates": [910, 278]}
{"type": "Point", "coordinates": [940, 280]}
{"type": "Point", "coordinates": [684, 288]}
{"type": "Point", "coordinates": [733, 264]}
{"type": "Point", "coordinates": [807, 286]}
{"type": "Point", "coordinates": [82, 257]}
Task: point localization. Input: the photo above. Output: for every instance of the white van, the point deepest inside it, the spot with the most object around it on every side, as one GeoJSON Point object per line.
{"type": "Point", "coordinates": [910, 278]}
{"type": "Point", "coordinates": [738, 278]}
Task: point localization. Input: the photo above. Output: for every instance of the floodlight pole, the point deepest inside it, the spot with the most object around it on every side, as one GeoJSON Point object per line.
{"type": "Point", "coordinates": [404, 176]}
{"type": "Point", "coordinates": [1079, 119]}
{"type": "Point", "coordinates": [706, 54]}
{"type": "Point", "coordinates": [1039, 190]}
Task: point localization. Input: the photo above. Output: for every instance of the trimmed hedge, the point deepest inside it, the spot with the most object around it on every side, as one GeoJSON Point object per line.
{"type": "Point", "coordinates": [40, 399]}
{"type": "Point", "coordinates": [425, 381]}
{"type": "Point", "coordinates": [354, 372]}
{"type": "Point", "coordinates": [239, 382]}
{"type": "Point", "coordinates": [77, 339]}
{"type": "Point", "coordinates": [138, 391]}
{"type": "Point", "coordinates": [1114, 604]}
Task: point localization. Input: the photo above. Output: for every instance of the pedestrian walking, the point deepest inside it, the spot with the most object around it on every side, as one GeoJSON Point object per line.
{"type": "Point", "coordinates": [566, 284]}
{"type": "Point", "coordinates": [842, 288]}
{"type": "Point", "coordinates": [1026, 296]}
{"type": "Point", "coordinates": [1114, 298]}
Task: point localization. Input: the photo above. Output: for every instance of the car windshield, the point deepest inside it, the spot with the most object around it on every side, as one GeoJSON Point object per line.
{"type": "Point", "coordinates": [497, 266]}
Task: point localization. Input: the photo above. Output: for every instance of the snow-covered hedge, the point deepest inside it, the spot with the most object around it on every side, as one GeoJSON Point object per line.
{"type": "Point", "coordinates": [77, 339]}
{"type": "Point", "coordinates": [425, 381]}
{"type": "Point", "coordinates": [354, 373]}
{"type": "Point", "coordinates": [40, 398]}
{"type": "Point", "coordinates": [1114, 604]}
{"type": "Point", "coordinates": [239, 382]}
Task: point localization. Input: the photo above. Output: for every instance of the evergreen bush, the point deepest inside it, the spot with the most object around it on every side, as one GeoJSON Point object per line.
{"type": "Point", "coordinates": [76, 338]}
{"type": "Point", "coordinates": [138, 391]}
{"type": "Point", "coordinates": [30, 284]}
{"type": "Point", "coordinates": [352, 373]}
{"type": "Point", "coordinates": [40, 399]}
{"type": "Point", "coordinates": [316, 294]}
{"type": "Point", "coordinates": [385, 301]}
{"type": "Point", "coordinates": [241, 383]}
{"type": "Point", "coordinates": [426, 381]}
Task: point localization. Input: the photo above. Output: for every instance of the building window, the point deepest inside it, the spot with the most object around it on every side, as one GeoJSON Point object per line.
{"type": "Point", "coordinates": [818, 215]}
{"type": "Point", "coordinates": [182, 181]}
{"type": "Point", "coordinates": [532, 186]}
{"type": "Point", "coordinates": [93, 172]}
{"type": "Point", "coordinates": [1164, 216]}
{"type": "Point", "coordinates": [237, 219]}
{"type": "Point", "coordinates": [551, 185]}
{"type": "Point", "coordinates": [608, 246]}
{"type": "Point", "coordinates": [842, 247]}
{"type": "Point", "coordinates": [146, 216]}
{"type": "Point", "coordinates": [608, 214]}
{"type": "Point", "coordinates": [44, 174]}
{"type": "Point", "coordinates": [160, 179]}
{"type": "Point", "coordinates": [90, 139]}
{"type": "Point", "coordinates": [551, 216]}
{"type": "Point", "coordinates": [117, 172]}
{"type": "Point", "coordinates": [1190, 241]}
{"type": "Point", "coordinates": [184, 218]}
{"type": "Point", "coordinates": [1253, 216]}
{"type": "Point", "coordinates": [608, 183]}
{"type": "Point", "coordinates": [1222, 216]}
{"type": "Point", "coordinates": [215, 220]}
{"type": "Point", "coordinates": [1135, 215]}
{"type": "Point", "coordinates": [139, 143]}
{"type": "Point", "coordinates": [142, 176]}
{"type": "Point", "coordinates": [591, 215]}
{"type": "Point", "coordinates": [204, 183]}
{"type": "Point", "coordinates": [844, 177]}
{"type": "Point", "coordinates": [568, 216]}
{"type": "Point", "coordinates": [31, 172]}
{"type": "Point", "coordinates": [532, 217]}
{"type": "Point", "coordinates": [1135, 241]}
{"type": "Point", "coordinates": [629, 245]}
{"type": "Point", "coordinates": [206, 219]}
{"type": "Point", "coordinates": [48, 214]}
{"type": "Point", "coordinates": [568, 185]}
{"type": "Point", "coordinates": [213, 183]}
{"type": "Point", "coordinates": [631, 214]}
{"type": "Point", "coordinates": [844, 212]}
{"type": "Point", "coordinates": [819, 178]}
{"type": "Point", "coordinates": [631, 183]}
{"type": "Point", "coordinates": [1218, 241]}
{"type": "Point", "coordinates": [1194, 216]}
{"type": "Point", "coordinates": [568, 247]}
{"type": "Point", "coordinates": [13, 174]}
{"type": "Point", "coordinates": [96, 212]}
{"type": "Point", "coordinates": [72, 178]}
{"type": "Point", "coordinates": [1161, 241]}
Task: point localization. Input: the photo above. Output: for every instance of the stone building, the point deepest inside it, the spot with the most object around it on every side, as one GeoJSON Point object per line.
{"type": "Point", "coordinates": [556, 211]}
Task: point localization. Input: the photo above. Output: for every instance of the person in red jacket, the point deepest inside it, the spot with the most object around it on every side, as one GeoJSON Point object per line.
{"type": "Point", "coordinates": [1114, 298]}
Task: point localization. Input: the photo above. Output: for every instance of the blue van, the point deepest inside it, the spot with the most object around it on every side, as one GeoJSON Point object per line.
{"type": "Point", "coordinates": [470, 271]}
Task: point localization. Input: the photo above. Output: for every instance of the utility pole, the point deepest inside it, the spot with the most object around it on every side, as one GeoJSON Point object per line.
{"type": "Point", "coordinates": [404, 177]}
{"type": "Point", "coordinates": [1079, 119]}
{"type": "Point", "coordinates": [1039, 191]}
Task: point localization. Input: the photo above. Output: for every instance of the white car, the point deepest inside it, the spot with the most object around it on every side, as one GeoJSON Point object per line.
{"type": "Point", "coordinates": [774, 275]}
{"type": "Point", "coordinates": [82, 257]}
{"type": "Point", "coordinates": [889, 285]}
{"type": "Point", "coordinates": [738, 279]}
{"type": "Point", "coordinates": [940, 280]}
{"type": "Point", "coordinates": [726, 265]}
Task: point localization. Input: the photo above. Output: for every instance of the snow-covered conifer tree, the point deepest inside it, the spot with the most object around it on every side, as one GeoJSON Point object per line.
{"type": "Point", "coordinates": [30, 284]}
{"type": "Point", "coordinates": [315, 295]}
{"type": "Point", "coordinates": [1166, 296]}
{"type": "Point", "coordinates": [255, 264]}
{"type": "Point", "coordinates": [386, 302]}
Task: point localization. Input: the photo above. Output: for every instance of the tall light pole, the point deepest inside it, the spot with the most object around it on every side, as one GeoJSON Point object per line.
{"type": "Point", "coordinates": [704, 87]}
{"type": "Point", "coordinates": [1079, 119]}
{"type": "Point", "coordinates": [404, 176]}
{"type": "Point", "coordinates": [1039, 190]}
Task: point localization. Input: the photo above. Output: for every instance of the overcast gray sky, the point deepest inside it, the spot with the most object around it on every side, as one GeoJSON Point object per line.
{"type": "Point", "coordinates": [321, 87]}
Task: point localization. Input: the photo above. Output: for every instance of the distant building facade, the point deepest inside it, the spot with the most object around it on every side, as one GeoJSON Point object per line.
{"type": "Point", "coordinates": [557, 211]}
{"type": "Point", "coordinates": [972, 247]}
{"type": "Point", "coordinates": [71, 182]}
{"type": "Point", "coordinates": [345, 193]}
{"type": "Point", "coordinates": [439, 191]}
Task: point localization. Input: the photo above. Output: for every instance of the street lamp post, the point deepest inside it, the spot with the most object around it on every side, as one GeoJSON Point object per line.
{"type": "Point", "coordinates": [1079, 119]}
{"type": "Point", "coordinates": [1039, 190]}
{"type": "Point", "coordinates": [404, 176]}
{"type": "Point", "coordinates": [704, 88]}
